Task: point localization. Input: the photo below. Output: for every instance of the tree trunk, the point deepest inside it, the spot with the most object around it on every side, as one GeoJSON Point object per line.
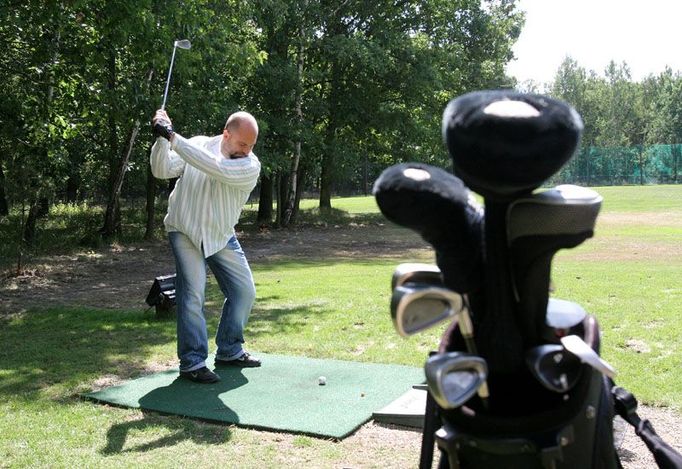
{"type": "Point", "coordinates": [113, 134]}
{"type": "Point", "coordinates": [587, 168]}
{"type": "Point", "coordinates": [290, 205]}
{"type": "Point", "coordinates": [265, 201]}
{"type": "Point", "coordinates": [327, 172]}
{"type": "Point", "coordinates": [333, 103]}
{"type": "Point", "coordinates": [29, 232]}
{"type": "Point", "coordinates": [278, 198]}
{"type": "Point", "coordinates": [21, 243]}
{"type": "Point", "coordinates": [676, 150]}
{"type": "Point", "coordinates": [39, 205]}
{"type": "Point", "coordinates": [301, 176]}
{"type": "Point", "coordinates": [641, 165]}
{"type": "Point", "coordinates": [151, 199]}
{"type": "Point", "coordinates": [112, 217]}
{"type": "Point", "coordinates": [326, 183]}
{"type": "Point", "coordinates": [282, 196]}
{"type": "Point", "coordinates": [292, 189]}
{"type": "Point", "coordinates": [365, 176]}
{"type": "Point", "coordinates": [72, 184]}
{"type": "Point", "coordinates": [4, 206]}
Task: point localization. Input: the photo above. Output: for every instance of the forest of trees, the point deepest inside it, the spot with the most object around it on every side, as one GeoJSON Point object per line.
{"type": "Point", "coordinates": [341, 90]}
{"type": "Point", "coordinates": [626, 122]}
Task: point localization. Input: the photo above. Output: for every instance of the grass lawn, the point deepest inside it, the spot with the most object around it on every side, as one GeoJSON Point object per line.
{"type": "Point", "coordinates": [628, 276]}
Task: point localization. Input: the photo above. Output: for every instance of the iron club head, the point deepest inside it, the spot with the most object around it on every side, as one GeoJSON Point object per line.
{"type": "Point", "coordinates": [416, 273]}
{"type": "Point", "coordinates": [454, 377]}
{"type": "Point", "coordinates": [416, 307]}
{"type": "Point", "coordinates": [554, 367]}
{"type": "Point", "coordinates": [183, 44]}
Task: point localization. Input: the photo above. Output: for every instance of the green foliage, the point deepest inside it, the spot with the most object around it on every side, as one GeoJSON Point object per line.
{"type": "Point", "coordinates": [66, 228]}
{"type": "Point", "coordinates": [357, 86]}
{"type": "Point", "coordinates": [625, 124]}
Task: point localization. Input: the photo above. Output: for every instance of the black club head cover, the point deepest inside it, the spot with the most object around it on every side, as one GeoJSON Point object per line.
{"type": "Point", "coordinates": [439, 207]}
{"type": "Point", "coordinates": [504, 144]}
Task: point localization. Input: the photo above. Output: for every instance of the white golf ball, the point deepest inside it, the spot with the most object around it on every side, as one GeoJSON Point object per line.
{"type": "Point", "coordinates": [321, 380]}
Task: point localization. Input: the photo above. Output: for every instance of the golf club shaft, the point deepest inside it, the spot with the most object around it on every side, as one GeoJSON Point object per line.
{"type": "Point", "coordinates": [170, 71]}
{"type": "Point", "coordinates": [466, 328]}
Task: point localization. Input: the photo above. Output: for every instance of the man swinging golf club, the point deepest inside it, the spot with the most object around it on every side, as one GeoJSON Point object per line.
{"type": "Point", "coordinates": [216, 176]}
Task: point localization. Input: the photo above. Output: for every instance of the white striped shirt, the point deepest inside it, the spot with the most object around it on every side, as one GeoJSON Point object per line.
{"type": "Point", "coordinates": [211, 192]}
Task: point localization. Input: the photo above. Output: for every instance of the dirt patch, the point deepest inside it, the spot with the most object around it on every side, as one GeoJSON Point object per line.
{"type": "Point", "coordinates": [115, 277]}
{"type": "Point", "coordinates": [119, 277]}
{"type": "Point", "coordinates": [641, 218]}
{"type": "Point", "coordinates": [608, 245]}
{"type": "Point", "coordinates": [633, 452]}
{"type": "Point", "coordinates": [611, 248]}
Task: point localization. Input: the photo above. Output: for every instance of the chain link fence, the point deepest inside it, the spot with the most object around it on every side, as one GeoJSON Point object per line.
{"type": "Point", "coordinates": [613, 166]}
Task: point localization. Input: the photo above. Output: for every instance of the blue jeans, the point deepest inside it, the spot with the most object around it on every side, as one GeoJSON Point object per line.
{"type": "Point", "coordinates": [233, 274]}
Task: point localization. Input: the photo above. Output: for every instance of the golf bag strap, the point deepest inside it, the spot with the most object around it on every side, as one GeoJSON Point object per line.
{"type": "Point", "coordinates": [625, 405]}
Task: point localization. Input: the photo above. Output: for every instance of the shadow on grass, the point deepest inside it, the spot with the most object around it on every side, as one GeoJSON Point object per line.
{"type": "Point", "coordinates": [316, 217]}
{"type": "Point", "coordinates": [180, 430]}
{"type": "Point", "coordinates": [61, 350]}
{"type": "Point", "coordinates": [184, 398]}
{"type": "Point", "coordinates": [65, 348]}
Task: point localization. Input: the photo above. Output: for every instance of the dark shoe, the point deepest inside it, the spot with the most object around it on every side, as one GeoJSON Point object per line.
{"type": "Point", "coordinates": [245, 361]}
{"type": "Point", "coordinates": [201, 375]}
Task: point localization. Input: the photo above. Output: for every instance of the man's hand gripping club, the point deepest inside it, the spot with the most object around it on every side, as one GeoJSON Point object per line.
{"type": "Point", "coordinates": [162, 125]}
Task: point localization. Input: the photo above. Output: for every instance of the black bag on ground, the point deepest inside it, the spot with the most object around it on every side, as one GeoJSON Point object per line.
{"type": "Point", "coordinates": [504, 145]}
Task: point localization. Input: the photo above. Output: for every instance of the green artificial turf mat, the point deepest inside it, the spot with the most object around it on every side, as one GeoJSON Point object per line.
{"type": "Point", "coordinates": [283, 394]}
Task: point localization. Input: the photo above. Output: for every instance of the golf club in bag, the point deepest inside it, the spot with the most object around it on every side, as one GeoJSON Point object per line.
{"type": "Point", "coordinates": [517, 380]}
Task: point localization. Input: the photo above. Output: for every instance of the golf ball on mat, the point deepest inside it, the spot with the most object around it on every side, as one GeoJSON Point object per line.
{"type": "Point", "coordinates": [321, 380]}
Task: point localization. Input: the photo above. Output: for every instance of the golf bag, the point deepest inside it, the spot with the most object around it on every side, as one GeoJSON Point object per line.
{"type": "Point", "coordinates": [528, 389]}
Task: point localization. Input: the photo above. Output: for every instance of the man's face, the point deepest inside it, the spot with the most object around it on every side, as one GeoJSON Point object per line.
{"type": "Point", "coordinates": [239, 142]}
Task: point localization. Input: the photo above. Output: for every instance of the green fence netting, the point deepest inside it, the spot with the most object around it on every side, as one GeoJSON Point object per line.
{"type": "Point", "coordinates": [609, 166]}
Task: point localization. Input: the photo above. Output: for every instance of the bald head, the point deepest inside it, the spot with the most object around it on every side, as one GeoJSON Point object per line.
{"type": "Point", "coordinates": [239, 119]}
{"type": "Point", "coordinates": [240, 135]}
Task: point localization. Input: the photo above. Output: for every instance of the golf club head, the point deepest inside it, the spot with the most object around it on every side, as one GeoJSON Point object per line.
{"type": "Point", "coordinates": [562, 318]}
{"type": "Point", "coordinates": [416, 273]}
{"type": "Point", "coordinates": [562, 314]}
{"type": "Point", "coordinates": [555, 368]}
{"type": "Point", "coordinates": [454, 377]}
{"type": "Point", "coordinates": [416, 307]}
{"type": "Point", "coordinates": [584, 352]}
{"type": "Point", "coordinates": [183, 44]}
